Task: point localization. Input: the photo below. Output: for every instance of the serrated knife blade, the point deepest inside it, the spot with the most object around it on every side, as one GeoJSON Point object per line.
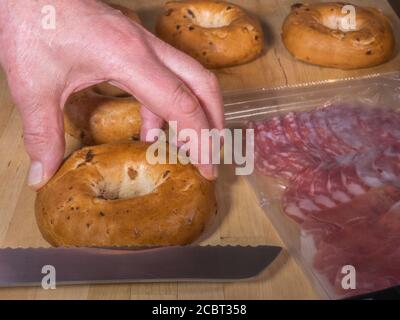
{"type": "Point", "coordinates": [23, 267]}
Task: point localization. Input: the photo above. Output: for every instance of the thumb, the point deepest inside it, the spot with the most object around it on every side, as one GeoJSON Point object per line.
{"type": "Point", "coordinates": [44, 140]}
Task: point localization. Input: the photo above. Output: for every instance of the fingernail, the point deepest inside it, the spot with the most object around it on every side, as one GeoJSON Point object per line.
{"type": "Point", "coordinates": [35, 176]}
{"type": "Point", "coordinates": [209, 172]}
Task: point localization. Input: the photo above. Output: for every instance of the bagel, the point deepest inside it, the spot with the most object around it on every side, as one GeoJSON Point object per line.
{"type": "Point", "coordinates": [312, 33]}
{"type": "Point", "coordinates": [216, 33]}
{"type": "Point", "coordinates": [109, 195]}
{"type": "Point", "coordinates": [96, 119]}
{"type": "Point", "coordinates": [105, 88]}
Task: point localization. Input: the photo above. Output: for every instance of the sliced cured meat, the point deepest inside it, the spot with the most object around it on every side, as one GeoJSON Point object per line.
{"type": "Point", "coordinates": [319, 189]}
{"type": "Point", "coordinates": [335, 186]}
{"type": "Point", "coordinates": [365, 168]}
{"type": "Point", "coordinates": [366, 282]}
{"type": "Point", "coordinates": [309, 136]}
{"type": "Point", "coordinates": [313, 232]}
{"type": "Point", "coordinates": [275, 155]}
{"type": "Point", "coordinates": [271, 131]}
{"type": "Point", "coordinates": [387, 164]}
{"type": "Point", "coordinates": [308, 195]}
{"type": "Point", "coordinates": [371, 249]}
{"type": "Point", "coordinates": [381, 124]}
{"type": "Point", "coordinates": [367, 207]}
{"type": "Point", "coordinates": [327, 139]}
{"type": "Point", "coordinates": [343, 169]}
{"type": "Point", "coordinates": [352, 182]}
{"type": "Point", "coordinates": [377, 167]}
{"type": "Point", "coordinates": [297, 201]}
{"type": "Point", "coordinates": [391, 219]}
{"type": "Point", "coordinates": [276, 166]}
{"type": "Point", "coordinates": [344, 124]}
{"type": "Point", "coordinates": [292, 132]}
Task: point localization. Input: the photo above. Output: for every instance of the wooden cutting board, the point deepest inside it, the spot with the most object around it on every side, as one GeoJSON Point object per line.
{"type": "Point", "coordinates": [240, 220]}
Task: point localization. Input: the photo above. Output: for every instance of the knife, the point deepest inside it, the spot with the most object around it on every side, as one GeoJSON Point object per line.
{"type": "Point", "coordinates": [23, 267]}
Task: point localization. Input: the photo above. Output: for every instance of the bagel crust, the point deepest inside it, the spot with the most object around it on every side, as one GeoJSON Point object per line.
{"type": "Point", "coordinates": [216, 33]}
{"type": "Point", "coordinates": [96, 119]}
{"type": "Point", "coordinates": [109, 195]}
{"type": "Point", "coordinates": [311, 33]}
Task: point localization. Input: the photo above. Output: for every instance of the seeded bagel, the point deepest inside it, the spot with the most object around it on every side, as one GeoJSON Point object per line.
{"type": "Point", "coordinates": [109, 195]}
{"type": "Point", "coordinates": [216, 33]}
{"type": "Point", "coordinates": [95, 119]}
{"type": "Point", "coordinates": [314, 33]}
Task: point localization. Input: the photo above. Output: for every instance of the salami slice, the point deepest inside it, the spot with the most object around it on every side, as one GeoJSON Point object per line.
{"type": "Point", "coordinates": [352, 182]}
{"type": "Point", "coordinates": [343, 122]}
{"type": "Point", "coordinates": [371, 249]}
{"type": "Point", "coordinates": [335, 186]}
{"type": "Point", "coordinates": [343, 169]}
{"type": "Point", "coordinates": [297, 202]}
{"type": "Point", "coordinates": [309, 136]}
{"type": "Point", "coordinates": [292, 132]}
{"type": "Point", "coordinates": [365, 169]}
{"type": "Point", "coordinates": [275, 155]}
{"type": "Point", "coordinates": [309, 195]}
{"type": "Point", "coordinates": [381, 124]}
{"type": "Point", "coordinates": [388, 165]}
{"type": "Point", "coordinates": [328, 140]}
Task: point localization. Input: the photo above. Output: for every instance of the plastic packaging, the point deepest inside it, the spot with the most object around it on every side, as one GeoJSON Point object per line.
{"type": "Point", "coordinates": [331, 254]}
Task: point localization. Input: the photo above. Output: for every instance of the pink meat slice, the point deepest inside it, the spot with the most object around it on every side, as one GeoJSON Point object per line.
{"type": "Point", "coordinates": [309, 195]}
{"type": "Point", "coordinates": [366, 236]}
{"type": "Point", "coordinates": [343, 166]}
{"type": "Point", "coordinates": [343, 122]}
{"type": "Point", "coordinates": [275, 155]}
{"type": "Point", "coordinates": [366, 171]}
{"type": "Point", "coordinates": [352, 182]}
{"type": "Point", "coordinates": [367, 207]}
{"type": "Point", "coordinates": [377, 167]}
{"type": "Point", "coordinates": [319, 189]}
{"type": "Point", "coordinates": [327, 139]}
{"type": "Point", "coordinates": [372, 250]}
{"type": "Point", "coordinates": [292, 131]}
{"type": "Point", "coordinates": [387, 164]}
{"type": "Point", "coordinates": [297, 202]}
{"type": "Point", "coordinates": [382, 124]}
{"type": "Point", "coordinates": [335, 186]}
{"type": "Point", "coordinates": [316, 231]}
{"type": "Point", "coordinates": [310, 137]}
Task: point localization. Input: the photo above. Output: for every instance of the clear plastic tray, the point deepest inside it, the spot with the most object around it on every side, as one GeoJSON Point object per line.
{"type": "Point", "coordinates": [242, 107]}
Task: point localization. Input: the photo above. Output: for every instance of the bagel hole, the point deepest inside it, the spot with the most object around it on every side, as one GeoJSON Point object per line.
{"type": "Point", "coordinates": [208, 19]}
{"type": "Point", "coordinates": [134, 182]}
{"type": "Point", "coordinates": [336, 23]}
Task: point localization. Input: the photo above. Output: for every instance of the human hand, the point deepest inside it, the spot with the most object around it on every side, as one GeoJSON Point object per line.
{"type": "Point", "coordinates": [92, 43]}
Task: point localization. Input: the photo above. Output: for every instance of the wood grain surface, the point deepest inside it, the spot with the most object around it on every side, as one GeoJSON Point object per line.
{"type": "Point", "coordinates": [240, 220]}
